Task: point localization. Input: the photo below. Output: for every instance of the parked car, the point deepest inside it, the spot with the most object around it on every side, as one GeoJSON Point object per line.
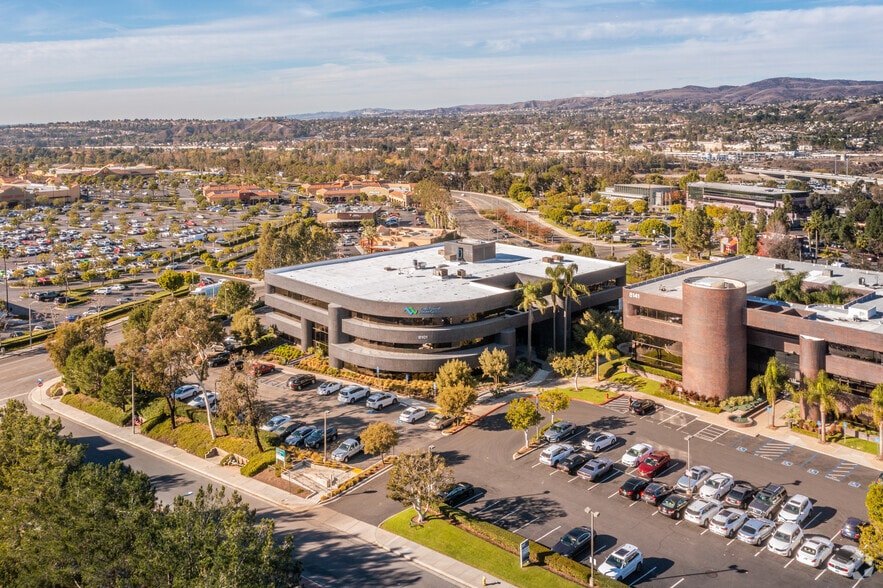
{"type": "Point", "coordinates": [756, 531]}
{"type": "Point", "coordinates": [654, 464]}
{"type": "Point", "coordinates": [656, 492]}
{"type": "Point", "coordinates": [740, 495]}
{"type": "Point", "coordinates": [701, 511]}
{"type": "Point", "coordinates": [298, 436]}
{"type": "Point", "coordinates": [552, 454]}
{"type": "Point", "coordinates": [767, 501]}
{"type": "Point", "coordinates": [622, 563]}
{"type": "Point", "coordinates": [314, 439]}
{"type": "Point", "coordinates": [595, 468]}
{"type": "Point", "coordinates": [185, 392]}
{"type": "Point", "coordinates": [599, 441]}
{"type": "Point", "coordinates": [285, 429]}
{"type": "Point", "coordinates": [642, 406]}
{"type": "Point", "coordinates": [814, 551]}
{"type": "Point", "coordinates": [381, 400]}
{"type": "Point", "coordinates": [199, 400]}
{"type": "Point", "coordinates": [846, 560]}
{"type": "Point", "coordinates": [458, 494]}
{"type": "Point", "coordinates": [636, 454]}
{"type": "Point", "coordinates": [352, 393]}
{"type": "Point", "coordinates": [219, 359]}
{"type": "Point", "coordinates": [674, 506]}
{"type": "Point", "coordinates": [633, 487]}
{"type": "Point", "coordinates": [300, 381]}
{"type": "Point", "coordinates": [329, 388]}
{"type": "Point", "coordinates": [559, 431]}
{"type": "Point", "coordinates": [796, 510]}
{"type": "Point", "coordinates": [573, 462]}
{"type": "Point", "coordinates": [727, 521]}
{"type": "Point", "coordinates": [348, 449]}
{"type": "Point", "coordinates": [694, 478]}
{"type": "Point", "coordinates": [276, 421]}
{"type": "Point", "coordinates": [852, 528]}
{"type": "Point", "coordinates": [785, 540]}
{"type": "Point", "coordinates": [717, 486]}
{"type": "Point", "coordinates": [412, 414]}
{"type": "Point", "coordinates": [440, 421]}
{"type": "Point", "coordinates": [574, 542]}
{"type": "Point", "coordinates": [261, 369]}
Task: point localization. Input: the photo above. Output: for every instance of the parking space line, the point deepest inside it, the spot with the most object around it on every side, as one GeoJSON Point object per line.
{"type": "Point", "coordinates": [738, 441]}
{"type": "Point", "coordinates": [650, 571]}
{"type": "Point", "coordinates": [858, 582]}
{"type": "Point", "coordinates": [834, 536]}
{"type": "Point", "coordinates": [491, 505]}
{"type": "Point", "coordinates": [555, 471]}
{"type": "Point", "coordinates": [676, 583]}
{"type": "Point", "coordinates": [614, 494]}
{"type": "Point", "coordinates": [807, 525]}
{"type": "Point", "coordinates": [820, 573]}
{"type": "Point", "coordinates": [703, 532]}
{"type": "Point", "coordinates": [573, 479]}
{"type": "Point", "coordinates": [812, 457]}
{"type": "Point", "coordinates": [634, 502]}
{"type": "Point", "coordinates": [730, 542]}
{"type": "Point", "coordinates": [530, 522]}
{"type": "Point", "coordinates": [672, 467]}
{"type": "Point", "coordinates": [790, 561]}
{"type": "Point", "coordinates": [675, 413]}
{"type": "Point", "coordinates": [841, 470]}
{"type": "Point", "coordinates": [547, 534]}
{"type": "Point", "coordinates": [772, 450]}
{"type": "Point", "coordinates": [536, 464]}
{"type": "Point", "coordinates": [759, 551]}
{"type": "Point", "coordinates": [510, 513]}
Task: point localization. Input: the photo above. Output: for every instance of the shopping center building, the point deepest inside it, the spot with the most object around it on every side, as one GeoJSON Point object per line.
{"type": "Point", "coordinates": [716, 325]}
{"type": "Point", "coordinates": [410, 311]}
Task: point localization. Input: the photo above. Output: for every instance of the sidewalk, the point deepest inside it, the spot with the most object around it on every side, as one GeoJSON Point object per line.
{"type": "Point", "coordinates": [441, 565]}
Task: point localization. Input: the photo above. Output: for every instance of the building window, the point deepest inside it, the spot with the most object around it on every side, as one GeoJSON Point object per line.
{"type": "Point", "coordinates": [300, 297]}
{"type": "Point", "coordinates": [659, 353]}
{"type": "Point", "coordinates": [659, 315]}
{"type": "Point", "coordinates": [320, 337]}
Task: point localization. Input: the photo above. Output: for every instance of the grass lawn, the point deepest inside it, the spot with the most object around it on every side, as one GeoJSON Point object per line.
{"type": "Point", "coordinates": [592, 395]}
{"type": "Point", "coordinates": [637, 382]}
{"type": "Point", "coordinates": [445, 538]}
{"type": "Point", "coordinates": [860, 444]}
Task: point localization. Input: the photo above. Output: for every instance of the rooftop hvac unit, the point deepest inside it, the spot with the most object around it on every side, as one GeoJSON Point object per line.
{"type": "Point", "coordinates": [461, 273]}
{"type": "Point", "coordinates": [780, 266]}
{"type": "Point", "coordinates": [828, 273]}
{"type": "Point", "coordinates": [421, 265]}
{"type": "Point", "coordinates": [557, 258]}
{"type": "Point", "coordinates": [452, 257]}
{"type": "Point", "coordinates": [861, 281]}
{"type": "Point", "coordinates": [441, 272]}
{"type": "Point", "coordinates": [547, 260]}
{"type": "Point", "coordinates": [416, 263]}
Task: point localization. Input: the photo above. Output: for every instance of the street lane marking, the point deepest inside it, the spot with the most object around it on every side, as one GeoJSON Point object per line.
{"type": "Point", "coordinates": [549, 533]}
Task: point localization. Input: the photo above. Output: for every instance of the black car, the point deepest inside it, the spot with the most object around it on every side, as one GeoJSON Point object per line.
{"type": "Point", "coordinates": [217, 360]}
{"type": "Point", "coordinates": [457, 494]}
{"type": "Point", "coordinates": [314, 439]}
{"type": "Point", "coordinates": [642, 406]}
{"type": "Point", "coordinates": [674, 506]}
{"type": "Point", "coordinates": [852, 528]}
{"type": "Point", "coordinates": [656, 492]}
{"type": "Point", "coordinates": [741, 495]}
{"type": "Point", "coordinates": [573, 462]}
{"type": "Point", "coordinates": [633, 487]}
{"type": "Point", "coordinates": [301, 381]}
{"type": "Point", "coordinates": [574, 542]}
{"type": "Point", "coordinates": [299, 435]}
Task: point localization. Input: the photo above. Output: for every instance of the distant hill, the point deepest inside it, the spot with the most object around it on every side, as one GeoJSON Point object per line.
{"type": "Point", "coordinates": [763, 92]}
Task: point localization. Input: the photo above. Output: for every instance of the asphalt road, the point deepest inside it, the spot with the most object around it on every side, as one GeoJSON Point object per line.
{"type": "Point", "coordinates": [542, 504]}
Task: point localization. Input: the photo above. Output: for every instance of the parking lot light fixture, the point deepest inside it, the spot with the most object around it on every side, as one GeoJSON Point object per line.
{"type": "Point", "coordinates": [592, 514]}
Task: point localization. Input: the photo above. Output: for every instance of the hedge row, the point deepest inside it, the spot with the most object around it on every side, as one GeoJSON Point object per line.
{"type": "Point", "coordinates": [98, 408]}
{"type": "Point", "coordinates": [422, 389]}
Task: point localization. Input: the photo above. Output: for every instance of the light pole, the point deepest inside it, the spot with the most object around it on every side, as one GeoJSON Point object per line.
{"type": "Point", "coordinates": [133, 402]}
{"type": "Point", "coordinates": [592, 514]}
{"type": "Point", "coordinates": [30, 328]}
{"type": "Point", "coordinates": [669, 241]}
{"type": "Point", "coordinates": [689, 480]}
{"type": "Point", "coordinates": [325, 437]}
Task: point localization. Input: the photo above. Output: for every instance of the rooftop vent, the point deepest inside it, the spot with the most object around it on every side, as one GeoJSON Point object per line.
{"type": "Point", "coordinates": [461, 273]}
{"type": "Point", "coordinates": [557, 258]}
{"type": "Point", "coordinates": [828, 273]}
{"type": "Point", "coordinates": [441, 272]}
{"type": "Point", "coordinates": [780, 266]}
{"type": "Point", "coordinates": [861, 281]}
{"type": "Point", "coordinates": [547, 260]}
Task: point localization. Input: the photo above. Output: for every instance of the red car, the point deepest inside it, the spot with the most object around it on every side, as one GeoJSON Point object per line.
{"type": "Point", "coordinates": [262, 369]}
{"type": "Point", "coordinates": [653, 464]}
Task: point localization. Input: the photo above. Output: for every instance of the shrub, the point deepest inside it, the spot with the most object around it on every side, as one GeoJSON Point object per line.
{"type": "Point", "coordinates": [97, 408]}
{"type": "Point", "coordinates": [258, 463]}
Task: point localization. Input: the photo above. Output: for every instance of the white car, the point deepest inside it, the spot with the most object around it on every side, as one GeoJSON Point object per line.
{"type": "Point", "coordinates": [717, 486]}
{"type": "Point", "coordinates": [185, 392]}
{"type": "Point", "coordinates": [623, 562]}
{"type": "Point", "coordinates": [381, 400]}
{"type": "Point", "coordinates": [103, 290]}
{"type": "Point", "coordinates": [702, 510]}
{"type": "Point", "coordinates": [599, 441]}
{"type": "Point", "coordinates": [796, 510]}
{"type": "Point", "coordinates": [412, 414]}
{"type": "Point", "coordinates": [694, 478]}
{"type": "Point", "coordinates": [786, 539]}
{"type": "Point", "coordinates": [814, 551]}
{"type": "Point", "coordinates": [755, 531]}
{"type": "Point", "coordinates": [846, 560]}
{"type": "Point", "coordinates": [276, 422]}
{"type": "Point", "coordinates": [352, 393]}
{"type": "Point", "coordinates": [727, 522]}
{"type": "Point", "coordinates": [199, 401]}
{"type": "Point", "coordinates": [636, 454]}
{"type": "Point", "coordinates": [329, 388]}
{"type": "Point", "coordinates": [552, 454]}
{"type": "Point", "coordinates": [118, 287]}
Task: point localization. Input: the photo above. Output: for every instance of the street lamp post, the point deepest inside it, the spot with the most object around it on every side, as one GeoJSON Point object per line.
{"type": "Point", "coordinates": [669, 241]}
{"type": "Point", "coordinates": [325, 437]}
{"type": "Point", "coordinates": [689, 481]}
{"type": "Point", "coordinates": [592, 514]}
{"type": "Point", "coordinates": [133, 402]}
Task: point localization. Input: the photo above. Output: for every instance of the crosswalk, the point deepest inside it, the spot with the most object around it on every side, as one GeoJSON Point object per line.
{"type": "Point", "coordinates": [772, 450]}
{"type": "Point", "coordinates": [620, 405]}
{"type": "Point", "coordinates": [840, 471]}
{"type": "Point", "coordinates": [711, 433]}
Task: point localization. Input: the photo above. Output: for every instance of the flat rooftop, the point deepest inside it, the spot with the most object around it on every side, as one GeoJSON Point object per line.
{"type": "Point", "coordinates": [403, 276]}
{"type": "Point", "coordinates": [758, 274]}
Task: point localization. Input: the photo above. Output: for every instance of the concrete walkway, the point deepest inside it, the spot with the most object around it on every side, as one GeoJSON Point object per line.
{"type": "Point", "coordinates": [441, 565]}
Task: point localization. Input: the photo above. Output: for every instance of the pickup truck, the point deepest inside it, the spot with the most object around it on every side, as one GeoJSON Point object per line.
{"type": "Point", "coordinates": [347, 449]}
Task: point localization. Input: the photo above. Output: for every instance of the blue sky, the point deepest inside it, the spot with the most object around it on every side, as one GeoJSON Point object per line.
{"type": "Point", "coordinates": [102, 59]}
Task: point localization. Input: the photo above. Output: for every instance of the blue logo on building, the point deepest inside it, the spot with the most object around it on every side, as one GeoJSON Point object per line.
{"type": "Point", "coordinates": [411, 310]}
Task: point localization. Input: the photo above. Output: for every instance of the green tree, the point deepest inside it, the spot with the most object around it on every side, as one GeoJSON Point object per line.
{"type": "Point", "coordinates": [452, 373]}
{"type": "Point", "coordinates": [455, 400]}
{"type": "Point", "coordinates": [694, 234]}
{"type": "Point", "coordinates": [494, 364]}
{"type": "Point", "coordinates": [232, 296]}
{"type": "Point", "coordinates": [571, 366]}
{"type": "Point", "coordinates": [69, 335]}
{"type": "Point", "coordinates": [823, 390]}
{"type": "Point", "coordinates": [748, 240]}
{"type": "Point", "coordinates": [871, 539]}
{"type": "Point", "coordinates": [813, 226]}
{"type": "Point", "coordinates": [715, 174]}
{"type": "Point", "coordinates": [303, 241]}
{"type": "Point", "coordinates": [554, 400]}
{"type": "Point", "coordinates": [239, 400]}
{"type": "Point", "coordinates": [771, 383]}
{"type": "Point", "coordinates": [246, 326]}
{"type": "Point", "coordinates": [873, 410]}
{"type": "Point", "coordinates": [379, 438]}
{"type": "Point", "coordinates": [170, 280]}
{"type": "Point", "coordinates": [85, 367]}
{"type": "Point", "coordinates": [601, 346]}
{"type": "Point", "coordinates": [416, 479]}
{"type": "Point", "coordinates": [531, 298]}
{"type": "Point", "coordinates": [522, 415]}
{"type": "Point", "coordinates": [691, 177]}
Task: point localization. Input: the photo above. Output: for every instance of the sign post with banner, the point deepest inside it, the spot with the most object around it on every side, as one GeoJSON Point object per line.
{"type": "Point", "coordinates": [280, 455]}
{"type": "Point", "coordinates": [525, 552]}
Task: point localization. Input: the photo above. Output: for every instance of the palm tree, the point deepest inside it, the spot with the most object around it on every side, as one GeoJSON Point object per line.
{"type": "Point", "coordinates": [565, 288]}
{"type": "Point", "coordinates": [531, 297]}
{"type": "Point", "coordinates": [369, 235]}
{"type": "Point", "coordinates": [874, 409]}
{"type": "Point", "coordinates": [554, 274]}
{"type": "Point", "coordinates": [813, 225]}
{"type": "Point", "coordinates": [601, 346]}
{"type": "Point", "coordinates": [823, 390]}
{"type": "Point", "coordinates": [772, 382]}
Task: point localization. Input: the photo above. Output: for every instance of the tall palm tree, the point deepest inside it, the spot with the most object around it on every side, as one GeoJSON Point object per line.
{"type": "Point", "coordinates": [823, 390]}
{"type": "Point", "coordinates": [565, 288]}
{"type": "Point", "coordinates": [772, 382]}
{"type": "Point", "coordinates": [553, 272]}
{"type": "Point", "coordinates": [601, 346]}
{"type": "Point", "coordinates": [531, 297]}
{"type": "Point", "coordinates": [874, 409]}
{"type": "Point", "coordinates": [4, 253]}
{"type": "Point", "coordinates": [369, 235]}
{"type": "Point", "coordinates": [813, 225]}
